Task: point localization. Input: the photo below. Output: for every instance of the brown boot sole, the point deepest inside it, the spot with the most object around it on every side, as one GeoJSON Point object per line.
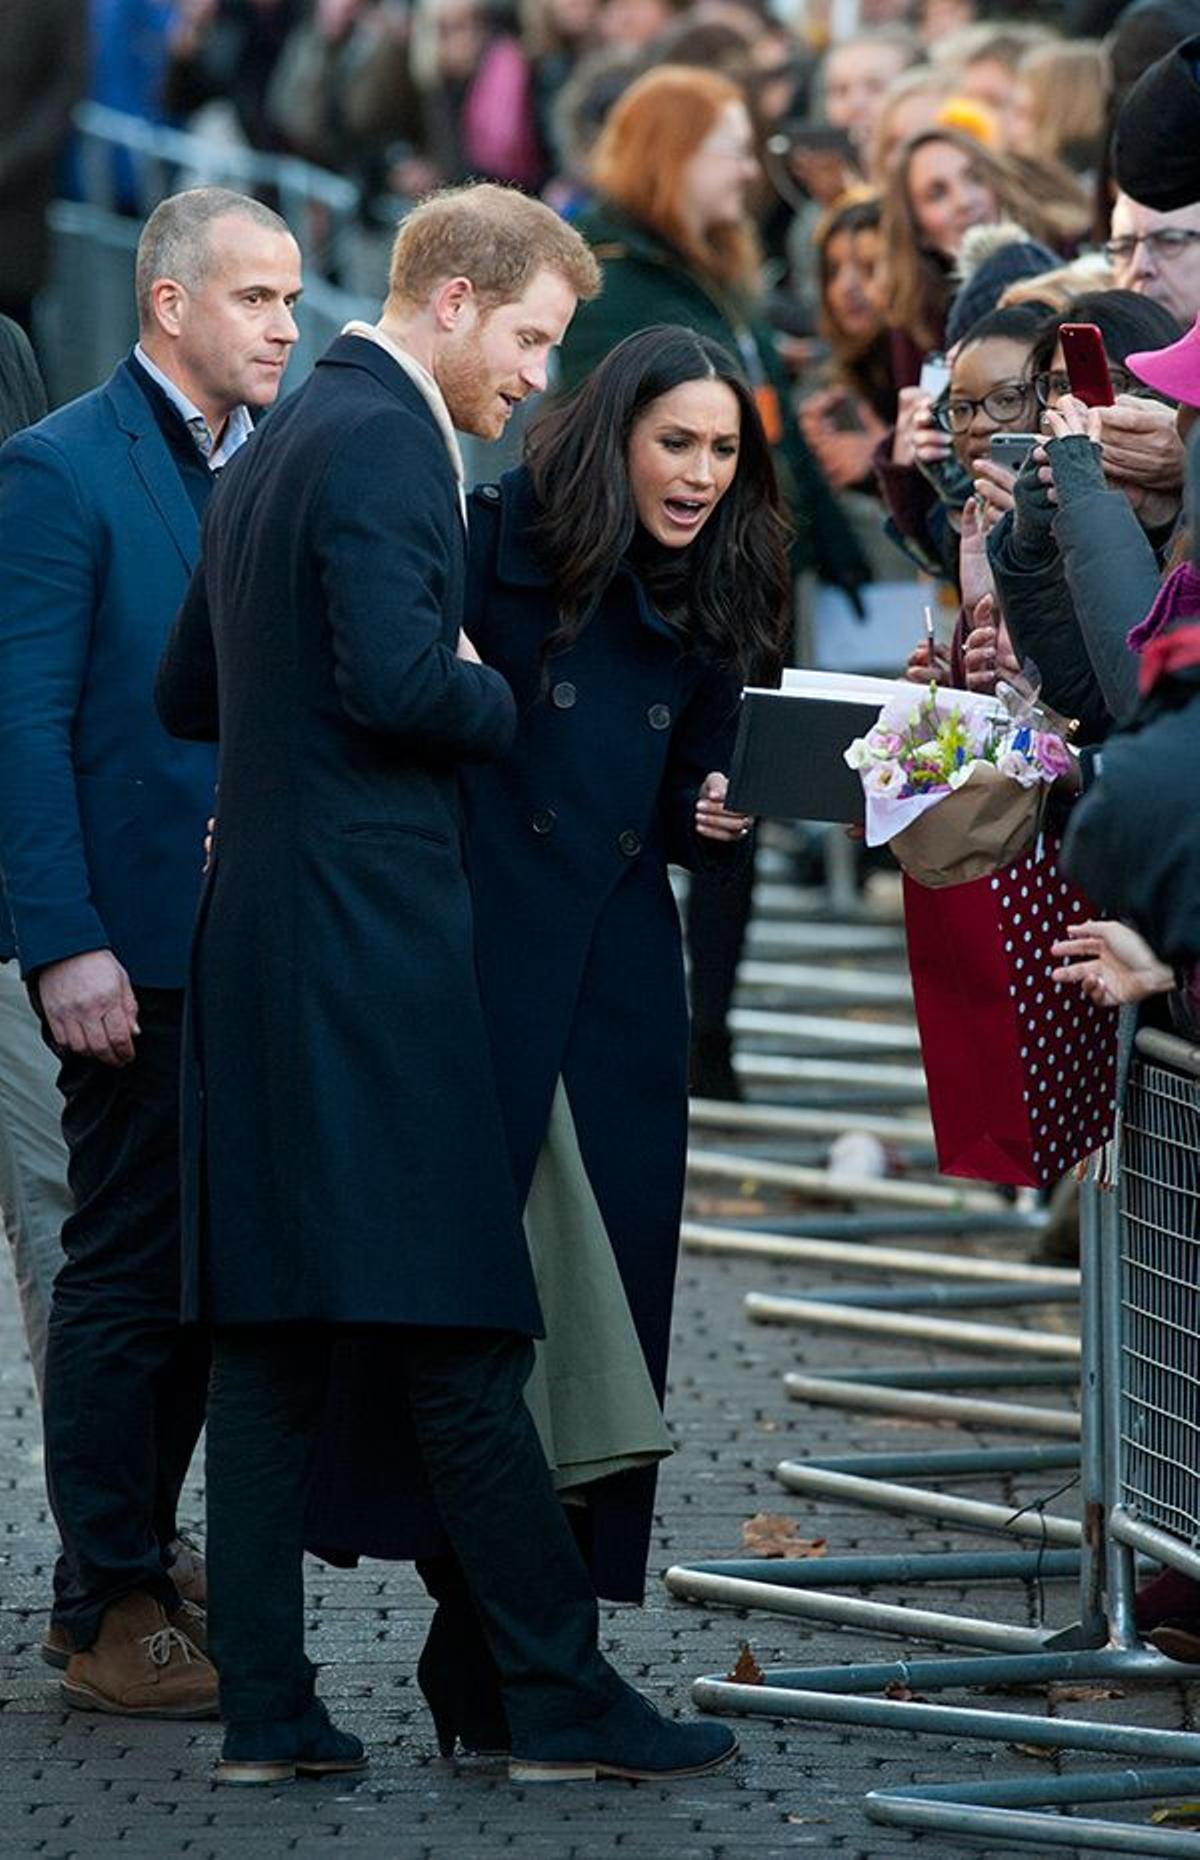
{"type": "Point", "coordinates": [84, 1698]}
{"type": "Point", "coordinates": [57, 1657]}
{"type": "Point", "coordinates": [283, 1772]}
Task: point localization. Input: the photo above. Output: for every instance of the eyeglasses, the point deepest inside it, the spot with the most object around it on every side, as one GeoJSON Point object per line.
{"type": "Point", "coordinates": [1004, 405]}
{"type": "Point", "coordinates": [1167, 243]}
{"type": "Point", "coordinates": [1051, 386]}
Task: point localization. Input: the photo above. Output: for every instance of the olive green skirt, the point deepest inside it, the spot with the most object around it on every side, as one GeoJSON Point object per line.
{"type": "Point", "coordinates": [590, 1393]}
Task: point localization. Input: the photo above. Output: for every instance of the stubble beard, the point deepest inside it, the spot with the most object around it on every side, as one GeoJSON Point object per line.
{"type": "Point", "coordinates": [470, 397]}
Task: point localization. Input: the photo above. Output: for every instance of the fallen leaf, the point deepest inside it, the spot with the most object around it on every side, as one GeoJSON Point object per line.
{"type": "Point", "coordinates": [1183, 1814]}
{"type": "Point", "coordinates": [898, 1690]}
{"type": "Point", "coordinates": [746, 1669]}
{"type": "Point", "coordinates": [766, 1535]}
{"type": "Point", "coordinates": [1045, 1753]}
{"type": "Point", "coordinates": [807, 1821]}
{"type": "Point", "coordinates": [1080, 1695]}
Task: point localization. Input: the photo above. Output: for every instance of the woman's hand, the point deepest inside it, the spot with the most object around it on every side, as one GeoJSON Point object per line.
{"type": "Point", "coordinates": [846, 458]}
{"type": "Point", "coordinates": [1071, 416]}
{"type": "Point", "coordinates": [913, 407]}
{"type": "Point", "coordinates": [974, 569]}
{"type": "Point", "coordinates": [994, 490]}
{"type": "Point", "coordinates": [714, 821]}
{"type": "Point", "coordinates": [1111, 963]}
{"type": "Point", "coordinates": [987, 651]}
{"type": "Point", "coordinates": [929, 659]}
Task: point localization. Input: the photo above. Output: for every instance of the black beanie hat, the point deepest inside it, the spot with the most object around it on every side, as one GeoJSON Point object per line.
{"type": "Point", "coordinates": [1022, 258]}
{"type": "Point", "coordinates": [1156, 145]}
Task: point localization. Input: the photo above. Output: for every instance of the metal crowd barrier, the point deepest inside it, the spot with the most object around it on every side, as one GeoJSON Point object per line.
{"type": "Point", "coordinates": [1140, 1492]}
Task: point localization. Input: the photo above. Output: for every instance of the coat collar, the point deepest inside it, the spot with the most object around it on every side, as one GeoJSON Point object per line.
{"type": "Point", "coordinates": [519, 565]}
{"type": "Point", "coordinates": [153, 462]}
{"type": "Point", "coordinates": [374, 360]}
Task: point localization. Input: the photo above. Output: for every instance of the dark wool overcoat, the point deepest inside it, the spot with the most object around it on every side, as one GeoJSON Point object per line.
{"type": "Point", "coordinates": [568, 842]}
{"type": "Point", "coordinates": [344, 1158]}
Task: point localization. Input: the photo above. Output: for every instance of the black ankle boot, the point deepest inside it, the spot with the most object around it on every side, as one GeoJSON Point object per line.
{"type": "Point", "coordinates": [456, 1671]}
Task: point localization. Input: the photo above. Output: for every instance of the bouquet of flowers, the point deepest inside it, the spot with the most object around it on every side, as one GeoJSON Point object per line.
{"type": "Point", "coordinates": [996, 757]}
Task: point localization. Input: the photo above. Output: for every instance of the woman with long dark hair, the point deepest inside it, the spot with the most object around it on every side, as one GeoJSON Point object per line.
{"type": "Point", "coordinates": [627, 580]}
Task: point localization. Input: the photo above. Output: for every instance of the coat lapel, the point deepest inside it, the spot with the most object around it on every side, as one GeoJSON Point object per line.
{"type": "Point", "coordinates": [154, 465]}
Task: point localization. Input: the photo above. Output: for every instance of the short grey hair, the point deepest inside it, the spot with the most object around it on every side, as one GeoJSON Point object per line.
{"type": "Point", "coordinates": [175, 241]}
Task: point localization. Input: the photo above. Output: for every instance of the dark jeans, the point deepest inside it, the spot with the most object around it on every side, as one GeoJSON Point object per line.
{"type": "Point", "coordinates": [465, 1390]}
{"type": "Point", "coordinates": [125, 1382]}
{"type": "Point", "coordinates": [718, 911]}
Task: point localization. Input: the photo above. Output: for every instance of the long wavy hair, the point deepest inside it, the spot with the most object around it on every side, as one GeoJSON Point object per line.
{"type": "Point", "coordinates": [734, 577]}
{"type": "Point", "coordinates": [920, 280]}
{"type": "Point", "coordinates": [649, 138]}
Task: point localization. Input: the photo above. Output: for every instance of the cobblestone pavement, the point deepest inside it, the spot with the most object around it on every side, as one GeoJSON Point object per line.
{"type": "Point", "coordinates": [77, 1787]}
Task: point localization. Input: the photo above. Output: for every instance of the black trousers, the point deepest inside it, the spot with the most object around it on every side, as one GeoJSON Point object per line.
{"type": "Point", "coordinates": [125, 1382]}
{"type": "Point", "coordinates": [718, 911]}
{"type": "Point", "coordinates": [465, 1391]}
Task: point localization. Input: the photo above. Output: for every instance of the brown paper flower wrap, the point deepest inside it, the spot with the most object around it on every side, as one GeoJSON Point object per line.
{"type": "Point", "coordinates": [985, 824]}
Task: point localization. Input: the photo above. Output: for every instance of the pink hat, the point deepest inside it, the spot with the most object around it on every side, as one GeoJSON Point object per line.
{"type": "Point", "coordinates": [1173, 371]}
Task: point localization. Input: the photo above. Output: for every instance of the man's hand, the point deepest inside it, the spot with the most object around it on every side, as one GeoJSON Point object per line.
{"type": "Point", "coordinates": [1141, 445]}
{"type": "Point", "coordinates": [90, 1006]}
{"type": "Point", "coordinates": [713, 819]}
{"type": "Point", "coordinates": [1111, 963]}
{"type": "Point", "coordinates": [465, 650]}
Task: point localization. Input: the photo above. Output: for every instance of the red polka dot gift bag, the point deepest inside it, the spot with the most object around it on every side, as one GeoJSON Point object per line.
{"type": "Point", "coordinates": [1021, 1073]}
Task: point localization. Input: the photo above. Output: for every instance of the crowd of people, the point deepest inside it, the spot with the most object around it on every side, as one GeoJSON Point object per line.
{"type": "Point", "coordinates": [337, 796]}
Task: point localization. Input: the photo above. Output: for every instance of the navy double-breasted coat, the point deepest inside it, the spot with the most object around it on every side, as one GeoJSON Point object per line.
{"type": "Point", "coordinates": [344, 1156]}
{"type": "Point", "coordinates": [569, 837]}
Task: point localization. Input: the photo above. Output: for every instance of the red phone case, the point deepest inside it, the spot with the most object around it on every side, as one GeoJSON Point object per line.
{"type": "Point", "coordinates": [1087, 364]}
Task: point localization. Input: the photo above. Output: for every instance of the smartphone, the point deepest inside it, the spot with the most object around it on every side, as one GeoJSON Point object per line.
{"type": "Point", "coordinates": [1012, 449]}
{"type": "Point", "coordinates": [935, 375]}
{"type": "Point", "coordinates": [808, 135]}
{"type": "Point", "coordinates": [843, 415]}
{"type": "Point", "coordinates": [1087, 364]}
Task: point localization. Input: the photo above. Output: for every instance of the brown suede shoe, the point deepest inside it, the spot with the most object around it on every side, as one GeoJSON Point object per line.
{"type": "Point", "coordinates": [56, 1648]}
{"type": "Point", "coordinates": [192, 1622]}
{"type": "Point", "coordinates": [141, 1666]}
{"type": "Point", "coordinates": [188, 1571]}
{"type": "Point", "coordinates": [189, 1618]}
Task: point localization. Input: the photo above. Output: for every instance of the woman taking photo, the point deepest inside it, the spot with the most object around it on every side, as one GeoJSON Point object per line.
{"type": "Point", "coordinates": [627, 580]}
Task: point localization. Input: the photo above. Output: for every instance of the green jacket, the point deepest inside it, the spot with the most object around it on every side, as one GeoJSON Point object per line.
{"type": "Point", "coordinates": [647, 281]}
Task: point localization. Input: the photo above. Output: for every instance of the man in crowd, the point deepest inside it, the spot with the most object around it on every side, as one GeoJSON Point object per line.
{"type": "Point", "coordinates": [101, 827]}
{"type": "Point", "coordinates": [1157, 254]}
{"type": "Point", "coordinates": [348, 1161]}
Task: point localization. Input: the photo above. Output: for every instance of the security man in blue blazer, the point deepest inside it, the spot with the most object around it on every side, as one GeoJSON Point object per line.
{"type": "Point", "coordinates": [101, 831]}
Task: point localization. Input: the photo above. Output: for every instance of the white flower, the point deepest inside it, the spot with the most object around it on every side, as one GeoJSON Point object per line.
{"type": "Point", "coordinates": [858, 756]}
{"type": "Point", "coordinates": [884, 778]}
{"type": "Point", "coordinates": [1016, 767]}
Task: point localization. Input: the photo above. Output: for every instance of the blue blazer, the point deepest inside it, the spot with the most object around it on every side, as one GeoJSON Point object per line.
{"type": "Point", "coordinates": [101, 812]}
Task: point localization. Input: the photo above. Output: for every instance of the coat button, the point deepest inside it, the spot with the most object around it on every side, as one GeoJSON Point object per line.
{"type": "Point", "coordinates": [543, 821]}
{"type": "Point", "coordinates": [491, 492]}
{"type": "Point", "coordinates": [629, 843]}
{"type": "Point", "coordinates": [563, 695]}
{"type": "Point", "coordinates": [658, 717]}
